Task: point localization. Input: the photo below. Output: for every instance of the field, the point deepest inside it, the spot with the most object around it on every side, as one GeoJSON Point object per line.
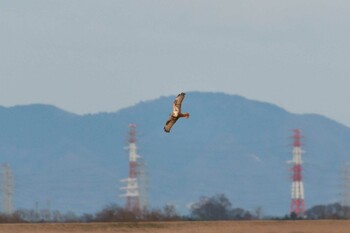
{"type": "Point", "coordinates": [327, 226]}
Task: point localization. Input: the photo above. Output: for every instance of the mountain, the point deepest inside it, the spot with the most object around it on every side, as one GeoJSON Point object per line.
{"type": "Point", "coordinates": [229, 145]}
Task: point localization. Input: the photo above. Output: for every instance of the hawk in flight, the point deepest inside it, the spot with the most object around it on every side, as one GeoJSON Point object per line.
{"type": "Point", "coordinates": [176, 114]}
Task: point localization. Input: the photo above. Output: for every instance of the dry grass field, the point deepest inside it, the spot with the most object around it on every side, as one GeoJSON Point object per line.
{"type": "Point", "coordinates": [187, 227]}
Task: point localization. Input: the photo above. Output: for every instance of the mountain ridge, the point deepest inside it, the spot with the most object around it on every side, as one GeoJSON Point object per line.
{"type": "Point", "coordinates": [229, 145]}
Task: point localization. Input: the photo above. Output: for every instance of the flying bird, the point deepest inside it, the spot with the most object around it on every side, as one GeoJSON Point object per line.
{"type": "Point", "coordinates": [176, 114]}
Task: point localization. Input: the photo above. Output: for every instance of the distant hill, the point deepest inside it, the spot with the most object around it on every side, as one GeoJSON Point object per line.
{"type": "Point", "coordinates": [229, 145]}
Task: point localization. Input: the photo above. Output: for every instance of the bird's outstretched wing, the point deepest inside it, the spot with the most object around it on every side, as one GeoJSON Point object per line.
{"type": "Point", "coordinates": [177, 103]}
{"type": "Point", "coordinates": [176, 114]}
{"type": "Point", "coordinates": [170, 122]}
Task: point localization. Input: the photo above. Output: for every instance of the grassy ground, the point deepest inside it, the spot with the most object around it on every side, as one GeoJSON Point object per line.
{"type": "Point", "coordinates": [187, 227]}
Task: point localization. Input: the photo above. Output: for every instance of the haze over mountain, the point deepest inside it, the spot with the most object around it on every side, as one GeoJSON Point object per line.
{"type": "Point", "coordinates": [229, 145]}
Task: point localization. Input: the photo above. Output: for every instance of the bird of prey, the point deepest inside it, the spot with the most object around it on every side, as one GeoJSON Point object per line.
{"type": "Point", "coordinates": [176, 114]}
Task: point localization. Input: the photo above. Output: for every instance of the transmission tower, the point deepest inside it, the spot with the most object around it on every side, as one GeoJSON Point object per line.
{"type": "Point", "coordinates": [132, 187]}
{"type": "Point", "coordinates": [143, 184]}
{"type": "Point", "coordinates": [7, 189]}
{"type": "Point", "coordinates": [345, 194]}
{"type": "Point", "coordinates": [297, 204]}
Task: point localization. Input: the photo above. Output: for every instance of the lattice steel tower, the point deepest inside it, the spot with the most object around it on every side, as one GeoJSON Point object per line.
{"type": "Point", "coordinates": [132, 187]}
{"type": "Point", "coordinates": [143, 184]}
{"type": "Point", "coordinates": [345, 194]}
{"type": "Point", "coordinates": [297, 204]}
{"type": "Point", "coordinates": [7, 189]}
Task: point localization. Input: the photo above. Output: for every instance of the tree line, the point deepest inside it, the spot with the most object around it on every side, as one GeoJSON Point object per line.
{"type": "Point", "coordinates": [217, 207]}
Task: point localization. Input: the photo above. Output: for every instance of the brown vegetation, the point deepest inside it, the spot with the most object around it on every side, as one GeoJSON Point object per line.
{"type": "Point", "coordinates": [326, 226]}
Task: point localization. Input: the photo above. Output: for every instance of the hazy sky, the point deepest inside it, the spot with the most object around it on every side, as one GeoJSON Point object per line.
{"type": "Point", "coordinates": [88, 56]}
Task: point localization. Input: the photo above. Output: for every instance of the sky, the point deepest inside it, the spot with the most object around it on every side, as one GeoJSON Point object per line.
{"type": "Point", "coordinates": [89, 56]}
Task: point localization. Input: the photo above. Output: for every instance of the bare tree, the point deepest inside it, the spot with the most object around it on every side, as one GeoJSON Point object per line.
{"type": "Point", "coordinates": [169, 213]}
{"type": "Point", "coordinates": [331, 211]}
{"type": "Point", "coordinates": [217, 207]}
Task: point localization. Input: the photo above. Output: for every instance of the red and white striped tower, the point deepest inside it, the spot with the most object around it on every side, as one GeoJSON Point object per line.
{"type": "Point", "coordinates": [132, 189]}
{"type": "Point", "coordinates": [297, 204]}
